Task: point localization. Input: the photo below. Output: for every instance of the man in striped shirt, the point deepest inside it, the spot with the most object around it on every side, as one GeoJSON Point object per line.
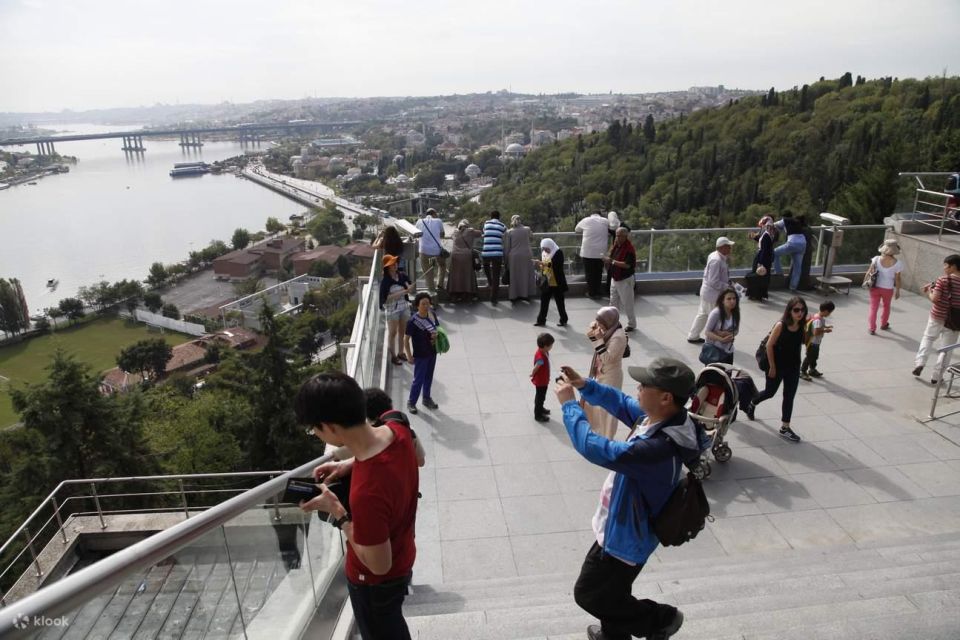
{"type": "Point", "coordinates": [492, 253]}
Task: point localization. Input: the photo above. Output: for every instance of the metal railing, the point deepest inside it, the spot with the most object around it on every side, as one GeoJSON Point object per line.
{"type": "Point", "coordinates": [944, 351]}
{"type": "Point", "coordinates": [683, 253]}
{"type": "Point", "coordinates": [932, 208]}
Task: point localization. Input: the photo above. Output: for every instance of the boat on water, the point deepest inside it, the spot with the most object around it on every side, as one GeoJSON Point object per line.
{"type": "Point", "coordinates": [185, 165]}
{"type": "Point", "coordinates": [181, 172]}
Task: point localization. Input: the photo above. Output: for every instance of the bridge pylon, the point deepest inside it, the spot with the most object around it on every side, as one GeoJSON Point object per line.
{"type": "Point", "coordinates": [190, 140]}
{"type": "Point", "coordinates": [133, 143]}
{"type": "Point", "coordinates": [45, 149]}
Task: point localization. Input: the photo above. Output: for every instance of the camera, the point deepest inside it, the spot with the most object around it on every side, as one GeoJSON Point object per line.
{"type": "Point", "coordinates": [834, 219]}
{"type": "Point", "coordinates": [300, 489]}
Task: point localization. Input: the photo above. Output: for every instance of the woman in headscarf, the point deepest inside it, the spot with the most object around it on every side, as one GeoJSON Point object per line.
{"type": "Point", "coordinates": [887, 286]}
{"type": "Point", "coordinates": [552, 281]}
{"type": "Point", "coordinates": [609, 342]}
{"type": "Point", "coordinates": [519, 272]}
{"type": "Point", "coordinates": [462, 280]}
{"type": "Point", "coordinates": [758, 282]}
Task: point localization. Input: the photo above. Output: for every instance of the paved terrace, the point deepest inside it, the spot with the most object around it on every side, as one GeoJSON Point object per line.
{"type": "Point", "coordinates": [505, 496]}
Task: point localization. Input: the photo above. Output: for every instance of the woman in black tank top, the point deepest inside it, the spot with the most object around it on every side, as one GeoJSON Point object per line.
{"type": "Point", "coordinates": [783, 351]}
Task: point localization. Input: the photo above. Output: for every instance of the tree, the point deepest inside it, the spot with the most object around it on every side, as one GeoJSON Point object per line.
{"type": "Point", "coordinates": [344, 269]}
{"type": "Point", "coordinates": [42, 324]}
{"type": "Point", "coordinates": [157, 275]}
{"type": "Point", "coordinates": [274, 225]}
{"type": "Point", "coordinates": [322, 269]}
{"type": "Point", "coordinates": [72, 308]}
{"type": "Point", "coordinates": [240, 239]}
{"type": "Point", "coordinates": [88, 435]}
{"type": "Point", "coordinates": [649, 130]}
{"type": "Point", "coordinates": [152, 301]}
{"type": "Point", "coordinates": [129, 292]}
{"type": "Point", "coordinates": [170, 311]}
{"type": "Point", "coordinates": [247, 287]}
{"type": "Point", "coordinates": [327, 227]}
{"type": "Point", "coordinates": [148, 357]}
{"type": "Point", "coordinates": [14, 317]}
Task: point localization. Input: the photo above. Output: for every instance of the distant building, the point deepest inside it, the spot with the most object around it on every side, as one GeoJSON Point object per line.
{"type": "Point", "coordinates": [473, 171]}
{"type": "Point", "coordinates": [540, 137]}
{"type": "Point", "coordinates": [264, 257]}
{"type": "Point", "coordinates": [514, 151]}
{"type": "Point", "coordinates": [358, 253]}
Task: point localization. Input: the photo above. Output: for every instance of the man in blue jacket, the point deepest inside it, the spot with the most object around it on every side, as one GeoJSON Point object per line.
{"type": "Point", "coordinates": [644, 470]}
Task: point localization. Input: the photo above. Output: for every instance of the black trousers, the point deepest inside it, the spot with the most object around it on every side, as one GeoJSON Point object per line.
{"type": "Point", "coordinates": [545, 294]}
{"type": "Point", "coordinates": [378, 609]}
{"type": "Point", "coordinates": [539, 398]}
{"type": "Point", "coordinates": [491, 269]}
{"type": "Point", "coordinates": [603, 591]}
{"type": "Point", "coordinates": [790, 380]}
{"type": "Point", "coordinates": [593, 272]}
{"type": "Point", "coordinates": [810, 360]}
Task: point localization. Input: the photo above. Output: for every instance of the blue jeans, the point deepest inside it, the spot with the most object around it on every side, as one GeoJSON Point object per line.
{"type": "Point", "coordinates": [795, 247]}
{"type": "Point", "coordinates": [422, 377]}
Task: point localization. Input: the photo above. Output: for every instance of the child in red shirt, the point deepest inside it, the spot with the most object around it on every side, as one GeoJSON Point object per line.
{"type": "Point", "coordinates": [540, 376]}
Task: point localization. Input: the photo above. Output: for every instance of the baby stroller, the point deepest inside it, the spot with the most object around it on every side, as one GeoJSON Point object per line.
{"type": "Point", "coordinates": [720, 390]}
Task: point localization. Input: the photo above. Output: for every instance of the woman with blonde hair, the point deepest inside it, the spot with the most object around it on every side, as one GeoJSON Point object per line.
{"type": "Point", "coordinates": [609, 342]}
{"type": "Point", "coordinates": [885, 269]}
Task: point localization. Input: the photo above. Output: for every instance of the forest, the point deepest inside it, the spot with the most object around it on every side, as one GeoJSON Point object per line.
{"type": "Point", "coordinates": [834, 145]}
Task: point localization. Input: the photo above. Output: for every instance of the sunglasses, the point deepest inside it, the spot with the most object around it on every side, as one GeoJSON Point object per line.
{"type": "Point", "coordinates": [798, 309]}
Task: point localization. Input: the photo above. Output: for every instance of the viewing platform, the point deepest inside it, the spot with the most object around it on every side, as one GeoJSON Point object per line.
{"type": "Point", "coordinates": [852, 533]}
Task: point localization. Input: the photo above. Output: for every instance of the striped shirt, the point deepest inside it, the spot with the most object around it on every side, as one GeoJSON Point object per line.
{"type": "Point", "coordinates": [948, 288]}
{"type": "Point", "coordinates": [493, 231]}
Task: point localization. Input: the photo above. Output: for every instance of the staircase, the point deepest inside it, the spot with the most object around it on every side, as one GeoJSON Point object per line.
{"type": "Point", "coordinates": [902, 590]}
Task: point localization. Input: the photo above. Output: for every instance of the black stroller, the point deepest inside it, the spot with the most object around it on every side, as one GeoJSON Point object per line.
{"type": "Point", "coordinates": [720, 391]}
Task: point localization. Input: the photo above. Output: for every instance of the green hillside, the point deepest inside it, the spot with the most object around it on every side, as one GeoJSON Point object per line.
{"type": "Point", "coordinates": [835, 145]}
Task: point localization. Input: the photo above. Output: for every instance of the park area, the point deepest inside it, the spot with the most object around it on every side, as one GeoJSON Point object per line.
{"type": "Point", "coordinates": [96, 343]}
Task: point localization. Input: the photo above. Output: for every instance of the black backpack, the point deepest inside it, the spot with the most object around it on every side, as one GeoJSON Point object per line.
{"type": "Point", "coordinates": [684, 515]}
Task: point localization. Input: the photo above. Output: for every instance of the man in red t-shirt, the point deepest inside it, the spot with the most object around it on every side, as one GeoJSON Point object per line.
{"type": "Point", "coordinates": [945, 295]}
{"type": "Point", "coordinates": [383, 499]}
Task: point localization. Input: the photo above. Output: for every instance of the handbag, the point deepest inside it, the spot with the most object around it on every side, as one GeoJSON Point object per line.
{"type": "Point", "coordinates": [870, 277]}
{"type": "Point", "coordinates": [477, 263]}
{"type": "Point", "coordinates": [762, 361]}
{"type": "Point", "coordinates": [711, 353]}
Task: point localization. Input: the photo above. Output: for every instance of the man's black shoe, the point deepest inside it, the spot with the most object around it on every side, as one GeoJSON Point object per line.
{"type": "Point", "coordinates": [562, 324]}
{"type": "Point", "coordinates": [541, 418]}
{"type": "Point", "coordinates": [545, 412]}
{"type": "Point", "coordinates": [670, 629]}
{"type": "Point", "coordinates": [917, 370]}
{"type": "Point", "coordinates": [539, 324]}
{"type": "Point", "coordinates": [412, 408]}
{"type": "Point", "coordinates": [595, 633]}
{"type": "Point", "coordinates": [696, 340]}
{"type": "Point", "coordinates": [751, 408]}
{"type": "Point", "coordinates": [430, 404]}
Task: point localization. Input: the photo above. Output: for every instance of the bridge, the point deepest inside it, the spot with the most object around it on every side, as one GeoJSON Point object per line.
{"type": "Point", "coordinates": [189, 136]}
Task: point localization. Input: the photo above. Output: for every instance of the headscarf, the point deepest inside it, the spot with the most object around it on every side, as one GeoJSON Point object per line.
{"type": "Point", "coordinates": [613, 220]}
{"type": "Point", "coordinates": [609, 318]}
{"type": "Point", "coordinates": [889, 248]}
{"type": "Point", "coordinates": [463, 224]}
{"type": "Point", "coordinates": [514, 221]}
{"type": "Point", "coordinates": [548, 247]}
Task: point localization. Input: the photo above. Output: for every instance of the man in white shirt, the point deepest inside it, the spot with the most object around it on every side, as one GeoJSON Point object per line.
{"type": "Point", "coordinates": [433, 257]}
{"type": "Point", "coordinates": [593, 248]}
{"type": "Point", "coordinates": [716, 278]}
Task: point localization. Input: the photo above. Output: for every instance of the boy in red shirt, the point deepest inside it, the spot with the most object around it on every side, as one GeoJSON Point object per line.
{"type": "Point", "coordinates": [540, 376]}
{"type": "Point", "coordinates": [383, 499]}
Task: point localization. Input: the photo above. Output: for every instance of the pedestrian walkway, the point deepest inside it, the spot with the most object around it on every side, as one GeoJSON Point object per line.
{"type": "Point", "coordinates": [507, 497]}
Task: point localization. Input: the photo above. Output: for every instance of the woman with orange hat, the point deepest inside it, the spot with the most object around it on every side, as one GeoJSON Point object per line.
{"type": "Point", "coordinates": [394, 287]}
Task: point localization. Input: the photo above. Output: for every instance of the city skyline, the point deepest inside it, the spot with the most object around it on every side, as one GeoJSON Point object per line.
{"type": "Point", "coordinates": [97, 54]}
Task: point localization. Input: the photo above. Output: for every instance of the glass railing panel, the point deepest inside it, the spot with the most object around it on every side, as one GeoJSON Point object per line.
{"type": "Point", "coordinates": [282, 560]}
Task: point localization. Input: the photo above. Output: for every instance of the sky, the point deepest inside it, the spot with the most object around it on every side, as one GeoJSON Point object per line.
{"type": "Point", "coordinates": [86, 54]}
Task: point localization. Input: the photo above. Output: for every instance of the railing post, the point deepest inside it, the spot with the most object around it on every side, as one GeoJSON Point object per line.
{"type": "Point", "coordinates": [816, 261]}
{"type": "Point", "coordinates": [650, 253]}
{"type": "Point", "coordinates": [183, 498]}
{"type": "Point", "coordinates": [943, 221]}
{"type": "Point", "coordinates": [936, 396]}
{"type": "Point", "coordinates": [33, 552]}
{"type": "Point", "coordinates": [56, 512]}
{"type": "Point", "coordinates": [96, 501]}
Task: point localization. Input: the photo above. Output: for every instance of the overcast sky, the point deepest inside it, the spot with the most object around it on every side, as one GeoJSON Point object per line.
{"type": "Point", "coordinates": [82, 54]}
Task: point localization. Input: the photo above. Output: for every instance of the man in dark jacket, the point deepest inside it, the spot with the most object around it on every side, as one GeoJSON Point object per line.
{"type": "Point", "coordinates": [644, 470]}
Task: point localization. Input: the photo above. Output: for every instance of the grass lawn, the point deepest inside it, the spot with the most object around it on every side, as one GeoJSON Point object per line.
{"type": "Point", "coordinates": [96, 343]}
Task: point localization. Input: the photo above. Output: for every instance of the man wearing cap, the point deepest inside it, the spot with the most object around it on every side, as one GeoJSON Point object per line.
{"type": "Point", "coordinates": [716, 278]}
{"type": "Point", "coordinates": [644, 470]}
{"type": "Point", "coordinates": [433, 257]}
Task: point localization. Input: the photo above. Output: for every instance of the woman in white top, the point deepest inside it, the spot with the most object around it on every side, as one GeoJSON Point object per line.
{"type": "Point", "coordinates": [723, 324]}
{"type": "Point", "coordinates": [888, 270]}
{"type": "Point", "coordinates": [609, 342]}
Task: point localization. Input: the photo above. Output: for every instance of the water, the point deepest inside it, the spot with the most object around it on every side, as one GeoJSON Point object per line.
{"type": "Point", "coordinates": [116, 213]}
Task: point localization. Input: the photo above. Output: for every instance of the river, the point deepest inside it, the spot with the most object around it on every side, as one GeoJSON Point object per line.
{"type": "Point", "coordinates": [116, 213]}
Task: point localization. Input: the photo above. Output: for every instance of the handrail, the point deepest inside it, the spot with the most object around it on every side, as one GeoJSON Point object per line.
{"type": "Point", "coordinates": [76, 589]}
{"type": "Point", "coordinates": [936, 389]}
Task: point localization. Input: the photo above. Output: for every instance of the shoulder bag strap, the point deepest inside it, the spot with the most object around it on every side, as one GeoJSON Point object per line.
{"type": "Point", "coordinates": [427, 227]}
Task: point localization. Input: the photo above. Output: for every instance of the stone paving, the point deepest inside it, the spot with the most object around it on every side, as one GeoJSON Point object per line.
{"type": "Point", "coordinates": [505, 496]}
